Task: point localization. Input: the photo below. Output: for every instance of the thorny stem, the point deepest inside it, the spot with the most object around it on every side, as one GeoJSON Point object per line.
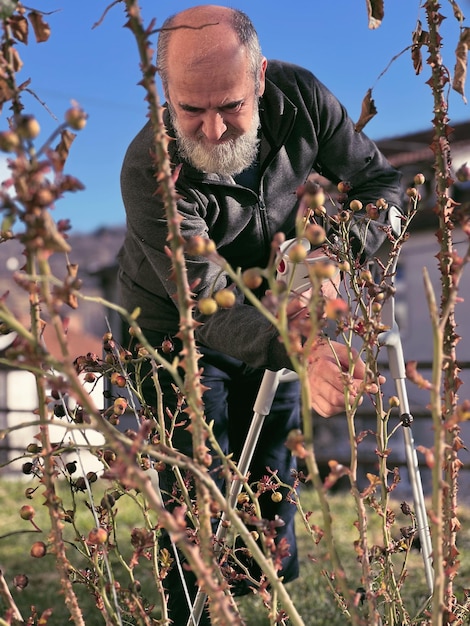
{"type": "Point", "coordinates": [52, 500]}
{"type": "Point", "coordinates": [49, 466]}
{"type": "Point", "coordinates": [193, 388]}
{"type": "Point", "coordinates": [381, 436]}
{"type": "Point", "coordinates": [437, 496]}
{"type": "Point", "coordinates": [156, 566]}
{"type": "Point", "coordinates": [444, 528]}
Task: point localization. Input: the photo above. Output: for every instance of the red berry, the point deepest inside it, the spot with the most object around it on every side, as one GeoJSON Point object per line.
{"type": "Point", "coordinates": [109, 456]}
{"type": "Point", "coordinates": [324, 270]}
{"type": "Point", "coordinates": [120, 406]}
{"type": "Point", "coordinates": [225, 298]}
{"type": "Point", "coordinates": [20, 581]}
{"type": "Point", "coordinates": [344, 186]}
{"type": "Point", "coordinates": [196, 246]}
{"type": "Point", "coordinates": [76, 118]}
{"type": "Point", "coordinates": [118, 379]}
{"type": "Point", "coordinates": [97, 536]}
{"type": "Point", "coordinates": [27, 127]}
{"type": "Point", "coordinates": [412, 192]}
{"type": "Point", "coordinates": [27, 512]}
{"type": "Point", "coordinates": [9, 141]}
{"type": "Point", "coordinates": [320, 211]}
{"type": "Point", "coordinates": [92, 477]}
{"type": "Point", "coordinates": [71, 467]}
{"type": "Point", "coordinates": [38, 549]}
{"type": "Point", "coordinates": [167, 346]}
{"type": "Point", "coordinates": [252, 278]}
{"type": "Point", "coordinates": [207, 306]}
{"type": "Point", "coordinates": [372, 211]}
{"type": "Point", "coordinates": [27, 467]}
{"type": "Point", "coordinates": [315, 234]}
{"type": "Point", "coordinates": [297, 253]}
{"type": "Point", "coordinates": [355, 205]}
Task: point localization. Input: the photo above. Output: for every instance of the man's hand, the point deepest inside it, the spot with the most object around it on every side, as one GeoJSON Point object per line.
{"type": "Point", "coordinates": [328, 377]}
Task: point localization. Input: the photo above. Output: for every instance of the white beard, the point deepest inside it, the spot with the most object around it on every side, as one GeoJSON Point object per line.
{"type": "Point", "coordinates": [227, 159]}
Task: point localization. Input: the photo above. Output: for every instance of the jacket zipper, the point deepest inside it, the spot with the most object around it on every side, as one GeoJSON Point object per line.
{"type": "Point", "coordinates": [263, 214]}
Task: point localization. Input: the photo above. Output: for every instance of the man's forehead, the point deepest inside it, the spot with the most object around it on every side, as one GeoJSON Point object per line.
{"type": "Point", "coordinates": [218, 70]}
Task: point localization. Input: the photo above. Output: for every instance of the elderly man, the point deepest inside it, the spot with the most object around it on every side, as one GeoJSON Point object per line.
{"type": "Point", "coordinates": [248, 133]}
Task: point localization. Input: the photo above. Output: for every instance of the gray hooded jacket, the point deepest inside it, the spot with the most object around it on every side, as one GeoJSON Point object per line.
{"type": "Point", "coordinates": [303, 129]}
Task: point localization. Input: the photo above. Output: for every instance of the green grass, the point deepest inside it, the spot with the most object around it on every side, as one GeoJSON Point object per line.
{"type": "Point", "coordinates": [310, 592]}
{"type": "Point", "coordinates": [43, 589]}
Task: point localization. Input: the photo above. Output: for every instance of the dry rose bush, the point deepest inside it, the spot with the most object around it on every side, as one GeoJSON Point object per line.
{"type": "Point", "coordinates": [130, 459]}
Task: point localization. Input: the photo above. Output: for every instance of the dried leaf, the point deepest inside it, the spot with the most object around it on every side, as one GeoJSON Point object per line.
{"type": "Point", "coordinates": [461, 61]}
{"type": "Point", "coordinates": [6, 92]}
{"type": "Point", "coordinates": [415, 377]}
{"type": "Point", "coordinates": [72, 270]}
{"type": "Point", "coordinates": [53, 240]}
{"type": "Point", "coordinates": [375, 13]}
{"type": "Point", "coordinates": [368, 111]}
{"type": "Point", "coordinates": [70, 184]}
{"type": "Point", "coordinates": [417, 59]}
{"type": "Point", "coordinates": [457, 11]}
{"type": "Point", "coordinates": [19, 28]}
{"type": "Point", "coordinates": [374, 481]}
{"type": "Point", "coordinates": [419, 37]}
{"type": "Point", "coordinates": [61, 153]}
{"type": "Point", "coordinates": [428, 455]}
{"type": "Point", "coordinates": [337, 470]}
{"type": "Point", "coordinates": [42, 30]}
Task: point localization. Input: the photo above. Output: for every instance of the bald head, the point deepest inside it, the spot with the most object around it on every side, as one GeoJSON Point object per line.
{"type": "Point", "coordinates": [203, 17]}
{"type": "Point", "coordinates": [205, 36]}
{"type": "Point", "coordinates": [213, 74]}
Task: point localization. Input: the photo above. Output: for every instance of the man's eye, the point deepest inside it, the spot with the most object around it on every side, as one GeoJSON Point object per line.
{"type": "Point", "coordinates": [234, 107]}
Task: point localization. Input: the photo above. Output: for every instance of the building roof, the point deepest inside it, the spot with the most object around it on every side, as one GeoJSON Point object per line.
{"type": "Point", "coordinates": [415, 148]}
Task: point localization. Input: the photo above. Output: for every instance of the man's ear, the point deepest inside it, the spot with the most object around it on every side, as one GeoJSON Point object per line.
{"type": "Point", "coordinates": [262, 77]}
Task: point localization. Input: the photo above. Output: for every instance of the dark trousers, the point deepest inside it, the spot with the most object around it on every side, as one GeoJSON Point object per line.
{"type": "Point", "coordinates": [228, 402]}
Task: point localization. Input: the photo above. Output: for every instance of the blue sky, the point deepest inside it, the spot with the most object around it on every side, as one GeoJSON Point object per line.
{"type": "Point", "coordinates": [98, 68]}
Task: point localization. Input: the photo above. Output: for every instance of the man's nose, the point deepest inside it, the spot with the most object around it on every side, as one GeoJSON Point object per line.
{"type": "Point", "coordinates": [213, 126]}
